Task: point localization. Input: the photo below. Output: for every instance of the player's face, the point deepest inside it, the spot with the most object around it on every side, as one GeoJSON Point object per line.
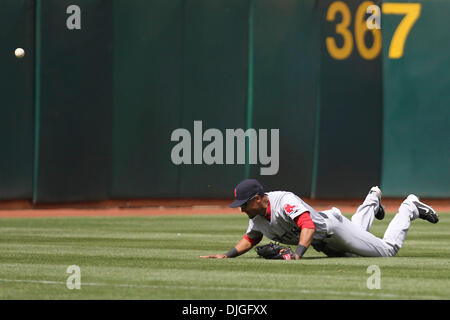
{"type": "Point", "coordinates": [253, 207]}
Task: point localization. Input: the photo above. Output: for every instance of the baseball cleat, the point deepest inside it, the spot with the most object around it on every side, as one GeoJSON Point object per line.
{"type": "Point", "coordinates": [425, 211]}
{"type": "Point", "coordinates": [377, 191]}
{"type": "Point", "coordinates": [380, 213]}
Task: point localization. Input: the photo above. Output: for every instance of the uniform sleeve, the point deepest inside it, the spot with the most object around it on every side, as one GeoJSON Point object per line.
{"type": "Point", "coordinates": [253, 241]}
{"type": "Point", "coordinates": [252, 235]}
{"type": "Point", "coordinates": [304, 221]}
{"type": "Point", "coordinates": [293, 207]}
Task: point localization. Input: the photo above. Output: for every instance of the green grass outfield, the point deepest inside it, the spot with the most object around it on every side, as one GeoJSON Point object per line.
{"type": "Point", "coordinates": [157, 257]}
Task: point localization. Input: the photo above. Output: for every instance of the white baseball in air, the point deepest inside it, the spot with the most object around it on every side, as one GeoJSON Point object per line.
{"type": "Point", "coordinates": [20, 53]}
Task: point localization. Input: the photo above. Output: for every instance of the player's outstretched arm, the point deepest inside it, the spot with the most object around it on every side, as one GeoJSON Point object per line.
{"type": "Point", "coordinates": [306, 237]}
{"type": "Point", "coordinates": [240, 248]}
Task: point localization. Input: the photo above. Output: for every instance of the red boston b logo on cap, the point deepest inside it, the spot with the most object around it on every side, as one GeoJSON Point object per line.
{"type": "Point", "coordinates": [235, 192]}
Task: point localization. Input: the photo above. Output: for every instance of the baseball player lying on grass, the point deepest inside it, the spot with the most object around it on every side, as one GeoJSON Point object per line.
{"type": "Point", "coordinates": [285, 218]}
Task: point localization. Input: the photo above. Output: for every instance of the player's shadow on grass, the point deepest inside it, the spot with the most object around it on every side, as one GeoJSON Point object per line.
{"type": "Point", "coordinates": [306, 258]}
{"type": "Point", "coordinates": [321, 257]}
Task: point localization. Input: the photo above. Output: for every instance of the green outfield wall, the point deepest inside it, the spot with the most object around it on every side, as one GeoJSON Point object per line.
{"type": "Point", "coordinates": [121, 99]}
{"type": "Point", "coordinates": [147, 96]}
{"type": "Point", "coordinates": [350, 119]}
{"type": "Point", "coordinates": [416, 102]}
{"type": "Point", "coordinates": [73, 136]}
{"type": "Point", "coordinates": [17, 92]}
{"type": "Point", "coordinates": [284, 86]}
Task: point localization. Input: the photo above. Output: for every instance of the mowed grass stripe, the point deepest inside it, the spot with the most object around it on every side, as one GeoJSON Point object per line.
{"type": "Point", "coordinates": [158, 258]}
{"type": "Point", "coordinates": [247, 291]}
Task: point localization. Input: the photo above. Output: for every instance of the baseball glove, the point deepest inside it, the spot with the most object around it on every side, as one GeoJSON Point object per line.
{"type": "Point", "coordinates": [275, 251]}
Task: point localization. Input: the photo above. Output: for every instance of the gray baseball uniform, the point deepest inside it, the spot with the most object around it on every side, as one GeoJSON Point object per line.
{"type": "Point", "coordinates": [334, 232]}
{"type": "Point", "coordinates": [284, 207]}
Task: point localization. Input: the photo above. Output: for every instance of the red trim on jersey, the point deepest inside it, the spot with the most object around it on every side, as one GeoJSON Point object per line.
{"type": "Point", "coordinates": [304, 221]}
{"type": "Point", "coordinates": [252, 241]}
{"type": "Point", "coordinates": [268, 212]}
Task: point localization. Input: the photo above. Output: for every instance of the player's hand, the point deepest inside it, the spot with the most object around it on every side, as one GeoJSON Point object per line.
{"type": "Point", "coordinates": [215, 256]}
{"type": "Point", "coordinates": [296, 256]}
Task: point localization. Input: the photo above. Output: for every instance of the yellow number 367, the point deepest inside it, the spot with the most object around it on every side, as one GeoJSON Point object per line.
{"type": "Point", "coordinates": [410, 10]}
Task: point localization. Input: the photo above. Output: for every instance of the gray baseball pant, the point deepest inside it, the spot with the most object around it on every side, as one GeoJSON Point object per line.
{"type": "Point", "coordinates": [353, 238]}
